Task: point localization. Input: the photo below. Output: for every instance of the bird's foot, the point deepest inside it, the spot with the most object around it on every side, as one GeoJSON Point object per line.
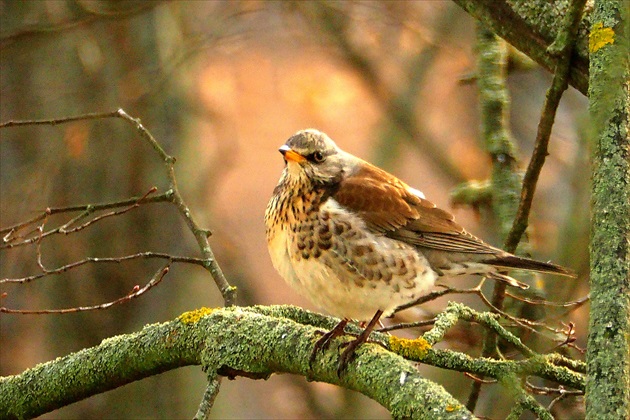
{"type": "Point", "coordinates": [324, 342]}
{"type": "Point", "coordinates": [348, 353]}
{"type": "Point", "coordinates": [352, 346]}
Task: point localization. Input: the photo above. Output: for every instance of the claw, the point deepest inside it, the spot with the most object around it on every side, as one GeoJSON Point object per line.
{"type": "Point", "coordinates": [324, 342]}
{"type": "Point", "coordinates": [352, 346]}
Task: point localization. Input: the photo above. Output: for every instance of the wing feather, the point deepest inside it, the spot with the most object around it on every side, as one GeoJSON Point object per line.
{"type": "Point", "coordinates": [390, 207]}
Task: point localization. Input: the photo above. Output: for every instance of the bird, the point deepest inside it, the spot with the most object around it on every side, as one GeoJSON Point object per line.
{"type": "Point", "coordinates": [359, 242]}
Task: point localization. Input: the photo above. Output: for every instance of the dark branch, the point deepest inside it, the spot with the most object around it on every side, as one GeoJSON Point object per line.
{"type": "Point", "coordinates": [561, 51]}
{"type": "Point", "coordinates": [106, 260]}
{"type": "Point", "coordinates": [135, 292]}
{"type": "Point", "coordinates": [521, 24]}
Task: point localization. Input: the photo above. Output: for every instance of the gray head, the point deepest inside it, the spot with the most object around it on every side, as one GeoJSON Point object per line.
{"type": "Point", "coordinates": [313, 155]}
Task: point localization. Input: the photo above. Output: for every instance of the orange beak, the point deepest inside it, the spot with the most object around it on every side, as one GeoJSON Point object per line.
{"type": "Point", "coordinates": [290, 155]}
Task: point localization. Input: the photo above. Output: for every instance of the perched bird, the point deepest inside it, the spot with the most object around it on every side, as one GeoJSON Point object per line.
{"type": "Point", "coordinates": [359, 242]}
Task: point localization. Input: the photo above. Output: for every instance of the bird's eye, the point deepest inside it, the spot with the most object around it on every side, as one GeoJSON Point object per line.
{"type": "Point", "coordinates": [317, 157]}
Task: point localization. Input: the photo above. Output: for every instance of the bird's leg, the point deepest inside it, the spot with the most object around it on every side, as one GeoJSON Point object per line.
{"type": "Point", "coordinates": [351, 346]}
{"type": "Point", "coordinates": [324, 342]}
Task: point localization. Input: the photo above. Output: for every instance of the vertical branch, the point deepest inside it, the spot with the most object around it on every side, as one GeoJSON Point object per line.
{"type": "Point", "coordinates": [608, 355]}
{"type": "Point", "coordinates": [207, 402]}
{"type": "Point", "coordinates": [562, 48]}
{"type": "Point", "coordinates": [494, 103]}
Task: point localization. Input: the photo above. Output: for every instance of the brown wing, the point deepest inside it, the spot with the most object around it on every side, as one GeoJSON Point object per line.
{"type": "Point", "coordinates": [389, 206]}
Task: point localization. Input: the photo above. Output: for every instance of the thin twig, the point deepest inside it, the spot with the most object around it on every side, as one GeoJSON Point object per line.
{"type": "Point", "coordinates": [524, 323]}
{"type": "Point", "coordinates": [10, 230]}
{"type": "Point", "coordinates": [406, 325]}
{"type": "Point", "coordinates": [480, 380]}
{"type": "Point", "coordinates": [135, 292]}
{"type": "Point", "coordinates": [107, 260]}
{"type": "Point", "coordinates": [438, 294]}
{"type": "Point", "coordinates": [201, 235]}
{"type": "Point", "coordinates": [212, 390]}
{"type": "Point", "coordinates": [526, 401]}
{"type": "Point", "coordinates": [55, 121]}
{"type": "Point", "coordinates": [63, 229]}
{"type": "Point", "coordinates": [560, 392]}
{"type": "Point", "coordinates": [562, 48]}
{"type": "Point", "coordinates": [39, 246]}
{"type": "Point", "coordinates": [543, 302]}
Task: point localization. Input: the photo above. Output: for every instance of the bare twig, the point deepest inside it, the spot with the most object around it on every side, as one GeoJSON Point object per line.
{"type": "Point", "coordinates": [560, 392]}
{"type": "Point", "coordinates": [172, 195]}
{"type": "Point", "coordinates": [438, 294]}
{"type": "Point", "coordinates": [480, 380]}
{"type": "Point", "coordinates": [524, 401]}
{"type": "Point", "coordinates": [201, 235]}
{"type": "Point", "coordinates": [406, 325]}
{"type": "Point", "coordinates": [212, 390]}
{"type": "Point", "coordinates": [64, 228]}
{"type": "Point", "coordinates": [543, 302]}
{"type": "Point", "coordinates": [55, 121]}
{"type": "Point", "coordinates": [107, 260]}
{"type": "Point", "coordinates": [11, 230]}
{"type": "Point", "coordinates": [135, 292]}
{"type": "Point", "coordinates": [529, 325]}
{"type": "Point", "coordinates": [562, 49]}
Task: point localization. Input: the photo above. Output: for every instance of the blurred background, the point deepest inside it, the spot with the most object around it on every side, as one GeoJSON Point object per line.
{"type": "Point", "coordinates": [221, 85]}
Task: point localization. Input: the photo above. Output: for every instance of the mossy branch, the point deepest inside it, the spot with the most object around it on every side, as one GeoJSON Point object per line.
{"type": "Point", "coordinates": [532, 27]}
{"type": "Point", "coordinates": [549, 366]}
{"type": "Point", "coordinates": [255, 342]}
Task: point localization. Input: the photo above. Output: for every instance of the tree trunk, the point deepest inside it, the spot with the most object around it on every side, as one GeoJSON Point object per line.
{"type": "Point", "coordinates": [608, 356]}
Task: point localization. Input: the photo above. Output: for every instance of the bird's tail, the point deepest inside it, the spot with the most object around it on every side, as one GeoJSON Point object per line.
{"type": "Point", "coordinates": [520, 263]}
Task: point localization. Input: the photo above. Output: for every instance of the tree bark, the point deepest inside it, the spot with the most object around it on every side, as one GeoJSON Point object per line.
{"type": "Point", "coordinates": [608, 355]}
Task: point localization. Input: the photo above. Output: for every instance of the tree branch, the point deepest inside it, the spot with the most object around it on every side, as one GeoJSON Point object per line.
{"type": "Point", "coordinates": [259, 344]}
{"type": "Point", "coordinates": [562, 49]}
{"type": "Point", "coordinates": [207, 402]}
{"type": "Point", "coordinates": [494, 101]}
{"type": "Point", "coordinates": [106, 260]}
{"type": "Point", "coordinates": [532, 27]}
{"type": "Point", "coordinates": [137, 291]}
{"type": "Point", "coordinates": [173, 195]}
{"type": "Point", "coordinates": [10, 230]}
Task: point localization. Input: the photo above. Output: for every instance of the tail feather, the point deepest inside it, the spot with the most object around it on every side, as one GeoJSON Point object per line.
{"type": "Point", "coordinates": [520, 263]}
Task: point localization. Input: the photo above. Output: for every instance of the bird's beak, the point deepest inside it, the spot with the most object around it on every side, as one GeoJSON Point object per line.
{"type": "Point", "coordinates": [290, 155]}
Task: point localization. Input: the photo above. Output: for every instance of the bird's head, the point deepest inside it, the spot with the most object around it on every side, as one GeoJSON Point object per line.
{"type": "Point", "coordinates": [311, 155]}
